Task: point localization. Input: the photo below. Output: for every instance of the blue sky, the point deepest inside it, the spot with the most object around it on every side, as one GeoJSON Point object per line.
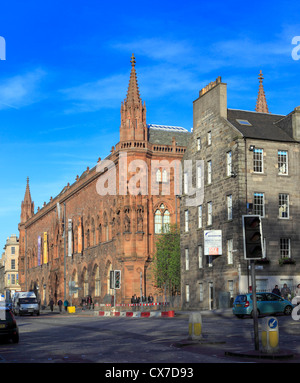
{"type": "Point", "coordinates": [67, 70]}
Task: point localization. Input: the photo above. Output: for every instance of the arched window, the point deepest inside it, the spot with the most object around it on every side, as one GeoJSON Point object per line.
{"type": "Point", "coordinates": [164, 175]}
{"type": "Point", "coordinates": [93, 234]}
{"type": "Point", "coordinates": [100, 233]}
{"type": "Point", "coordinates": [158, 175]}
{"type": "Point", "coordinates": [161, 220]}
{"type": "Point", "coordinates": [75, 281]}
{"type": "Point", "coordinates": [97, 282]}
{"type": "Point", "coordinates": [158, 222]}
{"type": "Point", "coordinates": [85, 283]}
{"type": "Point", "coordinates": [88, 238]}
{"type": "Point", "coordinates": [166, 220]}
{"type": "Point", "coordinates": [109, 269]}
{"type": "Point", "coordinates": [106, 227]}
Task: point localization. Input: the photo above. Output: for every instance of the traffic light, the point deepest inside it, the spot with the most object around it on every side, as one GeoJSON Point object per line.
{"type": "Point", "coordinates": [112, 279]}
{"type": "Point", "coordinates": [117, 279]}
{"type": "Point", "coordinates": [252, 231]}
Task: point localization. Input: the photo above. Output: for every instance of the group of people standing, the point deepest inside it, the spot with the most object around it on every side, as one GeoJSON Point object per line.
{"type": "Point", "coordinates": [60, 303]}
{"type": "Point", "coordinates": [87, 303]}
{"type": "Point", "coordinates": [285, 292]}
{"type": "Point", "coordinates": [136, 299]}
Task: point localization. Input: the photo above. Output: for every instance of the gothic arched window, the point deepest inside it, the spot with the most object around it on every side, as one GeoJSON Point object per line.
{"type": "Point", "coordinates": [164, 175]}
{"type": "Point", "coordinates": [161, 220]}
{"type": "Point", "coordinates": [158, 175]}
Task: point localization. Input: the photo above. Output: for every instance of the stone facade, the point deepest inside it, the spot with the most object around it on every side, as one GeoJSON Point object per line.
{"type": "Point", "coordinates": [250, 160]}
{"type": "Point", "coordinates": [95, 225]}
{"type": "Point", "coordinates": [9, 283]}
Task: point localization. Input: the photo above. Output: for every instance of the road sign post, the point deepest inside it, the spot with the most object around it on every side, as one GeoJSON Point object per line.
{"type": "Point", "coordinates": [270, 335]}
{"type": "Point", "coordinates": [253, 249]}
{"type": "Point", "coordinates": [72, 290]}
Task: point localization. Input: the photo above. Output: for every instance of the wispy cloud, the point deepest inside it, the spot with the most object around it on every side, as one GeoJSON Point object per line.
{"type": "Point", "coordinates": [163, 50]}
{"type": "Point", "coordinates": [95, 95]}
{"type": "Point", "coordinates": [175, 67]}
{"type": "Point", "coordinates": [21, 90]}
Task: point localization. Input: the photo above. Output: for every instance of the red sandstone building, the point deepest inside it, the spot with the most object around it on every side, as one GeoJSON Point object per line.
{"type": "Point", "coordinates": [96, 225]}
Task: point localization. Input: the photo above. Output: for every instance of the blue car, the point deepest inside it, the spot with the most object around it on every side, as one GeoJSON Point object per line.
{"type": "Point", "coordinates": [267, 303]}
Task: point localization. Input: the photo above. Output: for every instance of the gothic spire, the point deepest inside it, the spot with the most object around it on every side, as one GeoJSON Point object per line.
{"type": "Point", "coordinates": [261, 103]}
{"type": "Point", "coordinates": [133, 111]}
{"type": "Point", "coordinates": [27, 192]}
{"type": "Point", "coordinates": [27, 207]}
{"type": "Point", "coordinates": [133, 94]}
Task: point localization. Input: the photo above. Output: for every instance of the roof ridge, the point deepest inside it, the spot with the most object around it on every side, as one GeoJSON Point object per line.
{"type": "Point", "coordinates": [253, 111]}
{"type": "Point", "coordinates": [167, 127]}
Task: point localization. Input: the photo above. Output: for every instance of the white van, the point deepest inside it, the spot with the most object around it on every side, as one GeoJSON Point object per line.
{"type": "Point", "coordinates": [25, 302]}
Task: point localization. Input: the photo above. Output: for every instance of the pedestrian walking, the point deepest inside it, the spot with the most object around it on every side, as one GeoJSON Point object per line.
{"type": "Point", "coordinates": [276, 290]}
{"type": "Point", "coordinates": [51, 304]}
{"type": "Point", "coordinates": [134, 301]}
{"type": "Point", "coordinates": [285, 292]}
{"type": "Point", "coordinates": [297, 293]}
{"type": "Point", "coordinates": [66, 304]}
{"type": "Point", "coordinates": [150, 298]}
{"type": "Point", "coordinates": [89, 301]}
{"type": "Point", "coordinates": [60, 303]}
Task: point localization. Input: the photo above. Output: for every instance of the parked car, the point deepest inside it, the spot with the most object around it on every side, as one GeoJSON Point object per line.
{"type": "Point", "coordinates": [267, 303]}
{"type": "Point", "coordinates": [8, 325]}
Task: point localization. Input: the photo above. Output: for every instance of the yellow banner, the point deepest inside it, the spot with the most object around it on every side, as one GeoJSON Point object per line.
{"type": "Point", "coordinates": [45, 248]}
{"type": "Point", "coordinates": [79, 236]}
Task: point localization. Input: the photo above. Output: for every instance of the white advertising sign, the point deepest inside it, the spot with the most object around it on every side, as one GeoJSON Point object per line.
{"type": "Point", "coordinates": [212, 242]}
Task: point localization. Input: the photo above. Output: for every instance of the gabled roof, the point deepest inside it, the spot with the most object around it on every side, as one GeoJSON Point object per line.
{"type": "Point", "coordinates": [260, 125]}
{"type": "Point", "coordinates": [163, 134]}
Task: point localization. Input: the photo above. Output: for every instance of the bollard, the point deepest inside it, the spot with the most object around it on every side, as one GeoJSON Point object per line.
{"type": "Point", "coordinates": [270, 335]}
{"type": "Point", "coordinates": [195, 326]}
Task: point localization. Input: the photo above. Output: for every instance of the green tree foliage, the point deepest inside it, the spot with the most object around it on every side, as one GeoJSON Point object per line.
{"type": "Point", "coordinates": [166, 261]}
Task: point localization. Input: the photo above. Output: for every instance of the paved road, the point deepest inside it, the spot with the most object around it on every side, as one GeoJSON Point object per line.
{"type": "Point", "coordinates": [75, 338]}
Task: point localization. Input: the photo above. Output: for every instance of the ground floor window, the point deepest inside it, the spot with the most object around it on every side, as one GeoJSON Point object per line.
{"type": "Point", "coordinates": [187, 293]}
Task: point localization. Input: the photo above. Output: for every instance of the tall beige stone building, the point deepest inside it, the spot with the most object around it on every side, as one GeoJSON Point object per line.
{"type": "Point", "coordinates": [244, 162]}
{"type": "Point", "coordinates": [9, 262]}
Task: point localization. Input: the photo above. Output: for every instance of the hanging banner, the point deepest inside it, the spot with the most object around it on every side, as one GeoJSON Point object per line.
{"type": "Point", "coordinates": [79, 236]}
{"type": "Point", "coordinates": [45, 248]}
{"type": "Point", "coordinates": [58, 210]}
{"type": "Point", "coordinates": [39, 250]}
{"type": "Point", "coordinates": [70, 244]}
